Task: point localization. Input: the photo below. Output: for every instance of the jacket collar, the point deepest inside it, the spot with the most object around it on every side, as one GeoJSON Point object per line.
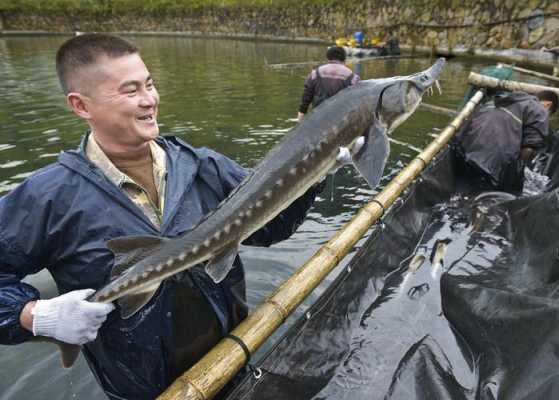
{"type": "Point", "coordinates": [95, 154]}
{"type": "Point", "coordinates": [182, 166]}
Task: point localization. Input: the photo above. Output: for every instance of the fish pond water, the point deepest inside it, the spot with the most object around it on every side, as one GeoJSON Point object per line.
{"type": "Point", "coordinates": [215, 93]}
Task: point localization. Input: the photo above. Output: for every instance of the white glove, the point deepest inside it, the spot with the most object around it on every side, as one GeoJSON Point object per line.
{"type": "Point", "coordinates": [344, 155]}
{"type": "Point", "coordinates": [70, 318]}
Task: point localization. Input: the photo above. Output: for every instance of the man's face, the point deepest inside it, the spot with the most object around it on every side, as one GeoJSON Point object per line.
{"type": "Point", "coordinates": [547, 104]}
{"type": "Point", "coordinates": [122, 101]}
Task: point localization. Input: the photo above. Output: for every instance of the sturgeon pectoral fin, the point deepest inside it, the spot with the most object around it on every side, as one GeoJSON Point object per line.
{"type": "Point", "coordinates": [132, 303]}
{"type": "Point", "coordinates": [371, 159]}
{"type": "Point", "coordinates": [220, 265]}
{"type": "Point", "coordinates": [129, 250]}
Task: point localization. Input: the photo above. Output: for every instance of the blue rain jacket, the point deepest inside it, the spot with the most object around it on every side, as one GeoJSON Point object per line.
{"type": "Point", "coordinates": [60, 219]}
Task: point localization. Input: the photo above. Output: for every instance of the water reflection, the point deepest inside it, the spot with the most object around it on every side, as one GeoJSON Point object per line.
{"type": "Point", "coordinates": [214, 93]}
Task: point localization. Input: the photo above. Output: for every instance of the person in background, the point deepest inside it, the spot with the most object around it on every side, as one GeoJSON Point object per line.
{"type": "Point", "coordinates": [549, 161]}
{"type": "Point", "coordinates": [391, 44]}
{"type": "Point", "coordinates": [503, 135]}
{"type": "Point", "coordinates": [549, 100]}
{"type": "Point", "coordinates": [124, 179]}
{"type": "Point", "coordinates": [326, 80]}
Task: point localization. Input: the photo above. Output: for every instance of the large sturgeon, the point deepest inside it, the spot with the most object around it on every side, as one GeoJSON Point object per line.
{"type": "Point", "coordinates": [303, 157]}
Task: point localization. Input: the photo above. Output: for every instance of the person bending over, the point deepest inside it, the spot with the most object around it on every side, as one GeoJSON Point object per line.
{"type": "Point", "coordinates": [501, 136]}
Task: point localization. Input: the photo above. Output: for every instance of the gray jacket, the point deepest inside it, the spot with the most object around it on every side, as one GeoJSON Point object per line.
{"type": "Point", "coordinates": [324, 82]}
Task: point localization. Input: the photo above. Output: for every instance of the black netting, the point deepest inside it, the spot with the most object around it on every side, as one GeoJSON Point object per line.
{"type": "Point", "coordinates": [455, 299]}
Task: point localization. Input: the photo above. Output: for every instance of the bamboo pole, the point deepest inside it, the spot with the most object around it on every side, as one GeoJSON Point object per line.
{"type": "Point", "coordinates": [219, 365]}
{"type": "Point", "coordinates": [530, 72]}
{"type": "Point", "coordinates": [438, 109]}
{"type": "Point", "coordinates": [349, 60]}
{"type": "Point", "coordinates": [513, 86]}
{"type": "Point", "coordinates": [293, 65]}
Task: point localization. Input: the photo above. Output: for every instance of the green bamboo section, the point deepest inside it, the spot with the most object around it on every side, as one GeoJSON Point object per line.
{"type": "Point", "coordinates": [217, 367]}
{"type": "Point", "coordinates": [513, 86]}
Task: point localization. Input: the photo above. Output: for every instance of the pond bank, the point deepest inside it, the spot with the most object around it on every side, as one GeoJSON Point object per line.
{"type": "Point", "coordinates": [528, 57]}
{"type": "Point", "coordinates": [483, 28]}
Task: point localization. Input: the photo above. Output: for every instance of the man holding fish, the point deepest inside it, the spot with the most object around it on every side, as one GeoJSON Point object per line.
{"type": "Point", "coordinates": [123, 180]}
{"type": "Point", "coordinates": [154, 225]}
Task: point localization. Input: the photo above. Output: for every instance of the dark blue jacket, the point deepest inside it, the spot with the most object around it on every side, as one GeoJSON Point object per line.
{"type": "Point", "coordinates": [491, 141]}
{"type": "Point", "coordinates": [60, 218]}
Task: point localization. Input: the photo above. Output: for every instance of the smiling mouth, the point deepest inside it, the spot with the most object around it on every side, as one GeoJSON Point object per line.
{"type": "Point", "coordinates": [146, 118]}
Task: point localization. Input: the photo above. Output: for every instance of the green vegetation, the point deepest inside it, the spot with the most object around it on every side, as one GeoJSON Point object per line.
{"type": "Point", "coordinates": [166, 7]}
{"type": "Point", "coordinates": [113, 7]}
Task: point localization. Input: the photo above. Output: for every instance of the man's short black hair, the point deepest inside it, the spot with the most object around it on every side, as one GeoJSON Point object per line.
{"type": "Point", "coordinates": [548, 95]}
{"type": "Point", "coordinates": [84, 50]}
{"type": "Point", "coordinates": [336, 53]}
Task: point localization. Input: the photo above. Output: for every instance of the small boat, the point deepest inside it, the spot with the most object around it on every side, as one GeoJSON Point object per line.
{"type": "Point", "coordinates": [360, 46]}
{"type": "Point", "coordinates": [361, 52]}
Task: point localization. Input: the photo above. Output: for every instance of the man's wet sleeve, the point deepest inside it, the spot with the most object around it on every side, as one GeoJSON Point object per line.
{"type": "Point", "coordinates": [285, 223]}
{"type": "Point", "coordinates": [535, 126]}
{"type": "Point", "coordinates": [308, 94]}
{"type": "Point", "coordinates": [14, 295]}
{"type": "Point", "coordinates": [14, 266]}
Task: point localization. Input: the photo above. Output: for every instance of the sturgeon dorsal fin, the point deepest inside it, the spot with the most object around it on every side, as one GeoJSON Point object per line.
{"type": "Point", "coordinates": [371, 159]}
{"type": "Point", "coordinates": [220, 265]}
{"type": "Point", "coordinates": [128, 250]}
{"type": "Point", "coordinates": [132, 303]}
